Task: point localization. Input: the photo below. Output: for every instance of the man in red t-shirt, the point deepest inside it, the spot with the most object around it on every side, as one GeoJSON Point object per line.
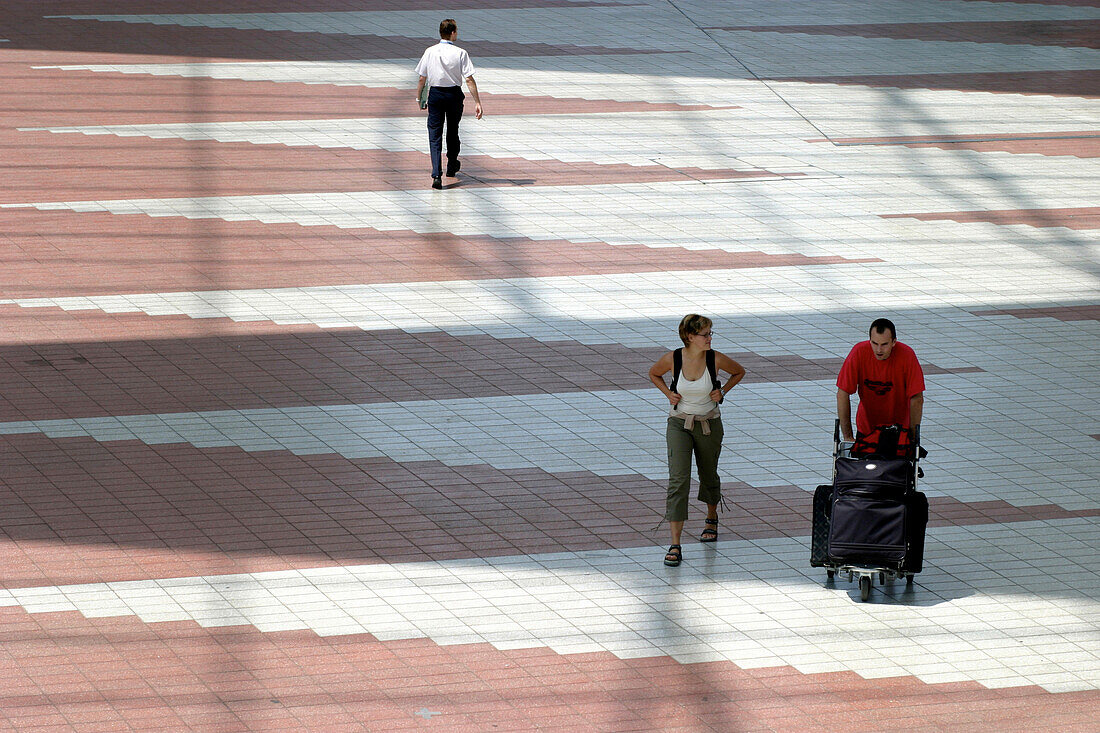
{"type": "Point", "coordinates": [888, 378]}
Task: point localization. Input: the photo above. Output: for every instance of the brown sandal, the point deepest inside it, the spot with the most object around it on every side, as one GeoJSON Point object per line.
{"type": "Point", "coordinates": [710, 532]}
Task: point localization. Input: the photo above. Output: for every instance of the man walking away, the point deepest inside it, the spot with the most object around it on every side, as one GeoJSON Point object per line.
{"type": "Point", "coordinates": [443, 67]}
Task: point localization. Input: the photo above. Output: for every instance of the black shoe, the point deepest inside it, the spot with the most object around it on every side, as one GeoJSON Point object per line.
{"type": "Point", "coordinates": [437, 183]}
{"type": "Point", "coordinates": [710, 533]}
{"type": "Point", "coordinates": [453, 168]}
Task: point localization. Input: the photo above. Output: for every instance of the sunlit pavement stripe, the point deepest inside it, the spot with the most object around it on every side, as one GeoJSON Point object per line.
{"type": "Point", "coordinates": [726, 138]}
{"type": "Point", "coordinates": [719, 136]}
{"type": "Point", "coordinates": [620, 78]}
{"type": "Point", "coordinates": [748, 214]}
{"type": "Point", "coordinates": [593, 309]}
{"type": "Point", "coordinates": [690, 79]}
{"type": "Point", "coordinates": [621, 433]}
{"type": "Point", "coordinates": [1004, 606]}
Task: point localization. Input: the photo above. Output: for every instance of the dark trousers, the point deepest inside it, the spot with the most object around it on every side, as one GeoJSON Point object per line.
{"type": "Point", "coordinates": [682, 445]}
{"type": "Point", "coordinates": [444, 105]}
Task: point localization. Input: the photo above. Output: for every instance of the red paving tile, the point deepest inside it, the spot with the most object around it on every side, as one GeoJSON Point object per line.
{"type": "Point", "coordinates": [1082, 144]}
{"type": "Point", "coordinates": [1082, 217]}
{"type": "Point", "coordinates": [80, 511]}
{"type": "Point", "coordinates": [144, 7]}
{"type": "Point", "coordinates": [1067, 3]}
{"type": "Point", "coordinates": [1066, 33]}
{"type": "Point", "coordinates": [1085, 312]}
{"type": "Point", "coordinates": [1077, 83]}
{"type": "Point", "coordinates": [101, 167]}
{"type": "Point", "coordinates": [66, 364]}
{"type": "Point", "coordinates": [189, 678]}
{"type": "Point", "coordinates": [29, 30]}
{"type": "Point", "coordinates": [53, 98]}
{"type": "Point", "coordinates": [57, 254]}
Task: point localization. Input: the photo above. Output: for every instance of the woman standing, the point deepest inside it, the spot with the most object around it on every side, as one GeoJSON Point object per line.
{"type": "Point", "coordinates": [694, 424]}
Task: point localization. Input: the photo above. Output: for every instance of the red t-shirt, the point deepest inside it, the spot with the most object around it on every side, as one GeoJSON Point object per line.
{"type": "Point", "coordinates": [884, 387]}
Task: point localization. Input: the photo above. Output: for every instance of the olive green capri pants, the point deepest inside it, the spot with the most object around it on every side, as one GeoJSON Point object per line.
{"type": "Point", "coordinates": [682, 445]}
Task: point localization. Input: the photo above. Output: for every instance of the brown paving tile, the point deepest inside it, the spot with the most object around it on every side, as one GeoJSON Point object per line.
{"type": "Point", "coordinates": [1081, 217]}
{"type": "Point", "coordinates": [55, 254]}
{"type": "Point", "coordinates": [1084, 83]}
{"type": "Point", "coordinates": [1065, 33]}
{"type": "Point", "coordinates": [1084, 312]}
{"type": "Point", "coordinates": [222, 511]}
{"type": "Point", "coordinates": [99, 167]}
{"type": "Point", "coordinates": [37, 97]}
{"type": "Point", "coordinates": [1067, 3]}
{"type": "Point", "coordinates": [59, 38]}
{"type": "Point", "coordinates": [124, 364]}
{"type": "Point", "coordinates": [1080, 144]}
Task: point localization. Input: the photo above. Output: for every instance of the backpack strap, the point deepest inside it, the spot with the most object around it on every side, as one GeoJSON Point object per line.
{"type": "Point", "coordinates": [714, 373]}
{"type": "Point", "coordinates": [677, 365]}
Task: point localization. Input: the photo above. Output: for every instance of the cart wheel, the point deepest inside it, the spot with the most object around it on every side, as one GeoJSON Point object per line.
{"type": "Point", "coordinates": [864, 588]}
{"type": "Point", "coordinates": [831, 574]}
{"type": "Point", "coordinates": [882, 578]}
{"type": "Point", "coordinates": [909, 579]}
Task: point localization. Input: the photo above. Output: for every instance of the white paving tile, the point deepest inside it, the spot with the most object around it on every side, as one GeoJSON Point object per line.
{"type": "Point", "coordinates": [630, 440]}
{"type": "Point", "coordinates": [783, 616]}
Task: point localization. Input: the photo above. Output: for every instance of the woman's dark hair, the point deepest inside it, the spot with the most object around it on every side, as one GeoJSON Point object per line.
{"type": "Point", "coordinates": [447, 27]}
{"type": "Point", "coordinates": [692, 324]}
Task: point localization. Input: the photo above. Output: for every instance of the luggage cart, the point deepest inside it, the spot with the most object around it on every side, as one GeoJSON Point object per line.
{"type": "Point", "coordinates": [887, 506]}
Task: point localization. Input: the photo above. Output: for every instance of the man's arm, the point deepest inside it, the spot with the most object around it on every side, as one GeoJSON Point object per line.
{"type": "Point", "coordinates": [914, 382]}
{"type": "Point", "coordinates": [916, 409]}
{"type": "Point", "coordinates": [477, 100]}
{"type": "Point", "coordinates": [420, 89]}
{"type": "Point", "coordinates": [844, 413]}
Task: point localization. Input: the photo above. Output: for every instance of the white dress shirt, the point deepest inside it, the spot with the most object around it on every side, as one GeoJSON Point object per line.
{"type": "Point", "coordinates": [445, 65]}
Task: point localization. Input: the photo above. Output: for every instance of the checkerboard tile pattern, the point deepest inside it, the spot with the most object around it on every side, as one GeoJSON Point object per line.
{"type": "Point", "coordinates": [289, 441]}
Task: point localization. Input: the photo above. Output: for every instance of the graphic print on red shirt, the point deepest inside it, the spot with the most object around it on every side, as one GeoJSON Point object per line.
{"type": "Point", "coordinates": [884, 387]}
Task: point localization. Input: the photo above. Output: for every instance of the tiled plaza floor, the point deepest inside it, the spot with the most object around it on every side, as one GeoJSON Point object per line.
{"type": "Point", "coordinates": [289, 441]}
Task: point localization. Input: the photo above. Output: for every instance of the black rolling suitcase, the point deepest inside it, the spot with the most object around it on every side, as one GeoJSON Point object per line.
{"type": "Point", "coordinates": [870, 521]}
{"type": "Point", "coordinates": [819, 537]}
{"type": "Point", "coordinates": [917, 518]}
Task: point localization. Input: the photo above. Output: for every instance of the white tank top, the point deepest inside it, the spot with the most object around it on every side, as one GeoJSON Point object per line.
{"type": "Point", "coordinates": [695, 395]}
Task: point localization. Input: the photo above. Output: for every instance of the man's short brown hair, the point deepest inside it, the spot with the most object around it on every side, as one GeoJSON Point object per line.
{"type": "Point", "coordinates": [447, 27]}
